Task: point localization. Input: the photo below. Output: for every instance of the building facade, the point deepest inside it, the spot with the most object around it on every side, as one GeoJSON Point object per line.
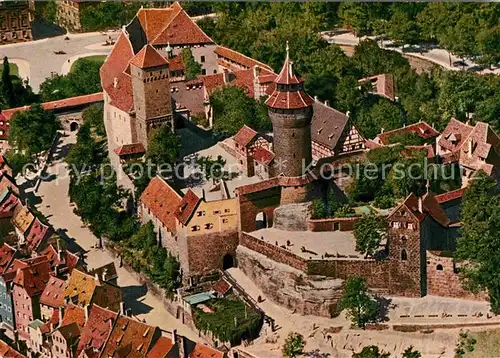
{"type": "Point", "coordinates": [15, 21]}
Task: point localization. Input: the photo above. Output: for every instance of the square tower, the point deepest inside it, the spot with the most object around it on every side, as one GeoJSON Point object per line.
{"type": "Point", "coordinates": [151, 92]}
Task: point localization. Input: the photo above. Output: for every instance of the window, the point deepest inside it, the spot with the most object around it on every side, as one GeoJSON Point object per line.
{"type": "Point", "coordinates": [403, 238]}
{"type": "Point", "coordinates": [200, 213]}
{"type": "Point", "coordinates": [216, 212]}
{"type": "Point", "coordinates": [404, 255]}
{"type": "Point", "coordinates": [225, 221]}
{"type": "Point", "coordinates": [202, 59]}
{"type": "Point", "coordinates": [195, 228]}
{"type": "Point", "coordinates": [439, 267]}
{"type": "Point", "coordinates": [209, 226]}
{"type": "Point", "coordinates": [203, 72]}
{"type": "Point", "coordinates": [410, 226]}
{"type": "Point", "coordinates": [227, 210]}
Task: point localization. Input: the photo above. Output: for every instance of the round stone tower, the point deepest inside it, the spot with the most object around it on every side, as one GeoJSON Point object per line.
{"type": "Point", "coordinates": [290, 111]}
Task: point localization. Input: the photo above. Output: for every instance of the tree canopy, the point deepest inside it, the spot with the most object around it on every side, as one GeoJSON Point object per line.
{"type": "Point", "coordinates": [33, 131]}
{"type": "Point", "coordinates": [14, 92]}
{"type": "Point", "coordinates": [369, 231]}
{"type": "Point", "coordinates": [360, 307]}
{"type": "Point", "coordinates": [192, 69]}
{"type": "Point", "coordinates": [371, 352]}
{"type": "Point", "coordinates": [294, 345]}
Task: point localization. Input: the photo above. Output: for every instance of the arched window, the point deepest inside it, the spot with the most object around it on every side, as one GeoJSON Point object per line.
{"type": "Point", "coordinates": [404, 255]}
{"type": "Point", "coordinates": [439, 267]}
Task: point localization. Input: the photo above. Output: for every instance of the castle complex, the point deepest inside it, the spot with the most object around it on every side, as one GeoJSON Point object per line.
{"type": "Point", "coordinates": [263, 225]}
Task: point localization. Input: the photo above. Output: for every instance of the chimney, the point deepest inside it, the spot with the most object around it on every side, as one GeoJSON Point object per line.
{"type": "Point", "coordinates": [61, 314]}
{"type": "Point", "coordinates": [104, 272]}
{"type": "Point", "coordinates": [381, 130]}
{"type": "Point", "coordinates": [290, 69]}
{"type": "Point", "coordinates": [225, 74]}
{"type": "Point", "coordinates": [115, 82]}
{"type": "Point", "coordinates": [316, 98]}
{"type": "Point", "coordinates": [470, 148]}
{"type": "Point", "coordinates": [420, 206]}
{"type": "Point", "coordinates": [348, 114]}
{"type": "Point", "coordinates": [327, 103]}
{"type": "Point", "coordinates": [122, 309]}
{"type": "Point", "coordinates": [174, 336]}
{"type": "Point", "coordinates": [59, 251]}
{"type": "Point", "coordinates": [256, 71]}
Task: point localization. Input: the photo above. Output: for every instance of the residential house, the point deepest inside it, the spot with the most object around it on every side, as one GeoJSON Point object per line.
{"type": "Point", "coordinates": [107, 273]}
{"type": "Point", "coordinates": [62, 262]}
{"type": "Point", "coordinates": [96, 332]}
{"type": "Point", "coordinates": [382, 85]}
{"type": "Point", "coordinates": [52, 298]}
{"type": "Point", "coordinates": [65, 340]}
{"type": "Point", "coordinates": [252, 150]}
{"type": "Point", "coordinates": [37, 237]}
{"type": "Point", "coordinates": [422, 129]}
{"type": "Point", "coordinates": [22, 219]}
{"type": "Point", "coordinates": [29, 283]}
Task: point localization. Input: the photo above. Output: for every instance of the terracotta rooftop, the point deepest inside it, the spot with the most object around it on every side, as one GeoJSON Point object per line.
{"type": "Point", "coordinates": [4, 127]}
{"type": "Point", "coordinates": [8, 205]}
{"type": "Point", "coordinates": [74, 314]}
{"type": "Point", "coordinates": [59, 104]}
{"type": "Point", "coordinates": [53, 294]}
{"type": "Point", "coordinates": [130, 338]}
{"type": "Point", "coordinates": [187, 207]}
{"type": "Point", "coordinates": [34, 277]}
{"type": "Point", "coordinates": [450, 195]}
{"type": "Point", "coordinates": [383, 85]}
{"type": "Point", "coordinates": [148, 57]}
{"type": "Point", "coordinates": [292, 96]}
{"type": "Point", "coordinates": [203, 351]}
{"type": "Point", "coordinates": [222, 287]}
{"type": "Point", "coordinates": [130, 149]}
{"type": "Point", "coordinates": [97, 329]}
{"type": "Point", "coordinates": [80, 288]}
{"type": "Point", "coordinates": [480, 150]}
{"type": "Point", "coordinates": [36, 234]}
{"type": "Point", "coordinates": [244, 136]}
{"type": "Point", "coordinates": [106, 272]}
{"type": "Point", "coordinates": [454, 135]}
{"type": "Point", "coordinates": [181, 30]}
{"type": "Point", "coordinates": [161, 348]}
{"type": "Point", "coordinates": [22, 217]}
{"type": "Point", "coordinates": [7, 255]}
{"type": "Point", "coordinates": [263, 155]}
{"type": "Point", "coordinates": [422, 129]}
{"type": "Point", "coordinates": [239, 58]}
{"type": "Point", "coordinates": [176, 63]}
{"type": "Point", "coordinates": [65, 261]}
{"type": "Point", "coordinates": [162, 200]}
{"type": "Point", "coordinates": [153, 20]}
{"type": "Point", "coordinates": [7, 352]}
{"type": "Point", "coordinates": [430, 206]}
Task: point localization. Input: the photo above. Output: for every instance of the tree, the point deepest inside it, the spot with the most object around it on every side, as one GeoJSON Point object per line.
{"type": "Point", "coordinates": [369, 231]}
{"type": "Point", "coordinates": [402, 28]}
{"type": "Point", "coordinates": [232, 108]}
{"type": "Point", "coordinates": [87, 154]}
{"type": "Point", "coordinates": [192, 69]}
{"type": "Point", "coordinates": [33, 131]}
{"type": "Point", "coordinates": [478, 247]}
{"type": "Point", "coordinates": [371, 352]}
{"type": "Point", "coordinates": [212, 168]}
{"type": "Point", "coordinates": [410, 353]}
{"type": "Point", "coordinates": [7, 86]}
{"type": "Point", "coordinates": [94, 115]}
{"type": "Point", "coordinates": [294, 345]}
{"type": "Point", "coordinates": [361, 307]}
{"type": "Point", "coordinates": [164, 146]}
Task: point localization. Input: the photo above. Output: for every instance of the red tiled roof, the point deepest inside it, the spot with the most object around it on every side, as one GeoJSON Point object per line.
{"type": "Point", "coordinates": [7, 352]}
{"type": "Point", "coordinates": [256, 187]}
{"type": "Point", "coordinates": [287, 76]}
{"type": "Point", "coordinates": [74, 314]}
{"type": "Point", "coordinates": [430, 206]}
{"type": "Point", "coordinates": [263, 155]}
{"type": "Point", "coordinates": [59, 104]}
{"type": "Point", "coordinates": [384, 84]}
{"type": "Point", "coordinates": [239, 58]}
{"type": "Point", "coordinates": [97, 329]}
{"type": "Point", "coordinates": [7, 254]}
{"type": "Point", "coordinates": [67, 259]}
{"type": "Point", "coordinates": [212, 82]}
{"type": "Point", "coordinates": [203, 351]}
{"type": "Point", "coordinates": [154, 20]}
{"type": "Point", "coordinates": [130, 338]}
{"type": "Point", "coordinates": [450, 195]}
{"type": "Point", "coordinates": [53, 294]}
{"type": "Point", "coordinates": [181, 30]}
{"type": "Point", "coordinates": [187, 207]}
{"type": "Point", "coordinates": [34, 277]}
{"type": "Point", "coordinates": [129, 149]}
{"type": "Point", "coordinates": [161, 348]}
{"type": "Point", "coordinates": [176, 63]}
{"type": "Point", "coordinates": [244, 136]}
{"type": "Point", "coordinates": [148, 57]}
{"type": "Point", "coordinates": [117, 62]}
{"type": "Point", "coordinates": [221, 286]}
{"type": "Point", "coordinates": [289, 100]}
{"type": "Point", "coordinates": [8, 205]}
{"type": "Point", "coordinates": [454, 135]}
{"type": "Point", "coordinates": [6, 181]}
{"type": "Point", "coordinates": [36, 234]}
{"type": "Point", "coordinates": [162, 200]}
{"type": "Point", "coordinates": [479, 150]}
{"type": "Point", "coordinates": [422, 129]}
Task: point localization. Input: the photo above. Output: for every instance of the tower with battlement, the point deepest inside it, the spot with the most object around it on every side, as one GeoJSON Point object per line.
{"type": "Point", "coordinates": [151, 92]}
{"type": "Point", "coordinates": [290, 110]}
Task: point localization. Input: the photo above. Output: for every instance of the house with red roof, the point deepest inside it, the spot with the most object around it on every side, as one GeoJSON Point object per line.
{"type": "Point", "coordinates": [253, 152]}
{"type": "Point", "coordinates": [62, 262]}
{"type": "Point", "coordinates": [190, 224]}
{"type": "Point", "coordinates": [382, 85]}
{"type": "Point", "coordinates": [473, 147]}
{"type": "Point", "coordinates": [52, 297]}
{"type": "Point", "coordinates": [29, 283]}
{"type": "Point", "coordinates": [422, 129]}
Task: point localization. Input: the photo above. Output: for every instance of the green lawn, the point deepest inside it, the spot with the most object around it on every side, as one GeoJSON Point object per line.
{"type": "Point", "coordinates": [14, 70]}
{"type": "Point", "coordinates": [97, 58]}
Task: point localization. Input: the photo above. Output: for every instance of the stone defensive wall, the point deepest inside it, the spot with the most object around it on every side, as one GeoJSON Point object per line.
{"type": "Point", "coordinates": [332, 224]}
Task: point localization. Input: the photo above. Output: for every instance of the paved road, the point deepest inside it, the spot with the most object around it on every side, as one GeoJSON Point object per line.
{"type": "Point", "coordinates": [436, 55]}
{"type": "Point", "coordinates": [38, 59]}
{"type": "Point", "coordinates": [56, 206]}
